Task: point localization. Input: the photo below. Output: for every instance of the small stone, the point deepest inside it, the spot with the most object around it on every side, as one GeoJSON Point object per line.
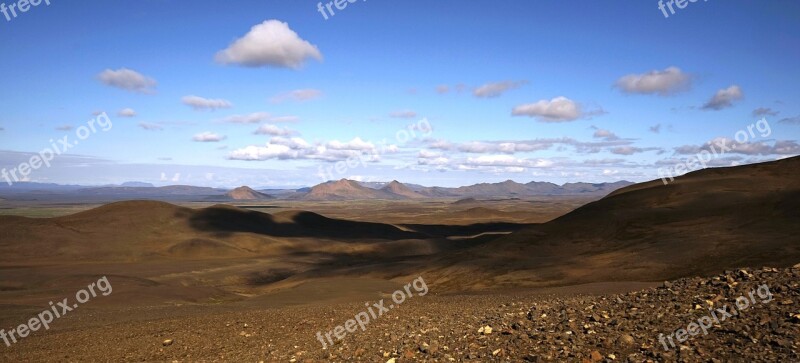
{"type": "Point", "coordinates": [168, 342]}
{"type": "Point", "coordinates": [392, 360]}
{"type": "Point", "coordinates": [595, 356]}
{"type": "Point", "coordinates": [625, 341]}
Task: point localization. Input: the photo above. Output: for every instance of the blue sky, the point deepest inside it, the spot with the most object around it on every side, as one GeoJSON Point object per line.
{"type": "Point", "coordinates": [524, 90]}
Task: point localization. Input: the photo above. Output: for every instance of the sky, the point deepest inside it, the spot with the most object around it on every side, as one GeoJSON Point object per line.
{"type": "Point", "coordinates": [447, 93]}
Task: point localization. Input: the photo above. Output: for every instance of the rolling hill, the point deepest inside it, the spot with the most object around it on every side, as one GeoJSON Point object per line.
{"type": "Point", "coordinates": [246, 193]}
{"type": "Point", "coordinates": [705, 221]}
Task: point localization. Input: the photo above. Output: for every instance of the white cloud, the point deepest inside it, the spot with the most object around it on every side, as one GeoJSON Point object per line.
{"type": "Point", "coordinates": [662, 83]}
{"type": "Point", "coordinates": [150, 126]}
{"type": "Point", "coordinates": [208, 137]}
{"type": "Point", "coordinates": [273, 130]}
{"type": "Point", "coordinates": [791, 120]}
{"type": "Point", "coordinates": [271, 43]}
{"type": "Point", "coordinates": [440, 144]}
{"type": "Point", "coordinates": [626, 150]}
{"type": "Point", "coordinates": [294, 143]}
{"type": "Point", "coordinates": [440, 161]}
{"type": "Point", "coordinates": [507, 161]}
{"type": "Point", "coordinates": [126, 112]}
{"type": "Point", "coordinates": [764, 111]}
{"type": "Point", "coordinates": [270, 151]}
{"type": "Point", "coordinates": [724, 98]}
{"type": "Point", "coordinates": [605, 134]}
{"type": "Point", "coordinates": [200, 103]}
{"type": "Point", "coordinates": [258, 117]}
{"type": "Point", "coordinates": [559, 109]}
{"type": "Point", "coordinates": [403, 114]}
{"type": "Point", "coordinates": [127, 79]}
{"type": "Point", "coordinates": [442, 89]}
{"type": "Point", "coordinates": [355, 144]}
{"type": "Point", "coordinates": [251, 118]}
{"type": "Point", "coordinates": [724, 145]}
{"type": "Point", "coordinates": [298, 95]}
{"type": "Point", "coordinates": [427, 154]}
{"type": "Point", "coordinates": [496, 89]}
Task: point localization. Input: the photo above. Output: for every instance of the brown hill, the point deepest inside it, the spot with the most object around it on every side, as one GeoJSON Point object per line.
{"type": "Point", "coordinates": [345, 190]}
{"type": "Point", "coordinates": [705, 221]}
{"type": "Point", "coordinates": [142, 230]}
{"type": "Point", "coordinates": [246, 193]}
{"type": "Point", "coordinates": [506, 188]}
{"type": "Point", "coordinates": [401, 190]}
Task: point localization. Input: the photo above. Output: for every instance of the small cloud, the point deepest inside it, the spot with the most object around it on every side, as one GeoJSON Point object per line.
{"type": "Point", "coordinates": [663, 83]}
{"type": "Point", "coordinates": [299, 95]}
{"type": "Point", "coordinates": [65, 128]}
{"type": "Point", "coordinates": [605, 134]}
{"type": "Point", "coordinates": [655, 128]}
{"type": "Point", "coordinates": [200, 103]}
{"type": "Point", "coordinates": [791, 120]}
{"type": "Point", "coordinates": [269, 44]}
{"type": "Point", "coordinates": [273, 131]}
{"type": "Point", "coordinates": [127, 79]}
{"type": "Point", "coordinates": [491, 90]}
{"type": "Point", "coordinates": [403, 114]}
{"type": "Point", "coordinates": [724, 98]}
{"type": "Point", "coordinates": [625, 150]}
{"type": "Point", "coordinates": [150, 126]}
{"type": "Point", "coordinates": [442, 89]}
{"type": "Point", "coordinates": [126, 112]}
{"type": "Point", "coordinates": [208, 137]}
{"type": "Point", "coordinates": [251, 118]}
{"type": "Point", "coordinates": [559, 109]}
{"type": "Point", "coordinates": [764, 111]}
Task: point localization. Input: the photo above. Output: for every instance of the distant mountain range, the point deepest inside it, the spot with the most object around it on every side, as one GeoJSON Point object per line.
{"type": "Point", "coordinates": [329, 191]}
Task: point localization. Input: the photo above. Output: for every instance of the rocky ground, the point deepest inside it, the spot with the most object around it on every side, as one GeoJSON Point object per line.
{"type": "Point", "coordinates": [480, 328]}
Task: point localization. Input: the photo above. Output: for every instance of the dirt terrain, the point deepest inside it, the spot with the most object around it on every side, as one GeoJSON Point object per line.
{"type": "Point", "coordinates": [256, 282]}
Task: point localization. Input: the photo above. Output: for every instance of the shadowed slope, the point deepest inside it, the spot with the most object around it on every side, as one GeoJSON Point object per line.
{"type": "Point", "coordinates": [221, 219]}
{"type": "Point", "coordinates": [703, 222]}
{"type": "Point", "coordinates": [138, 230]}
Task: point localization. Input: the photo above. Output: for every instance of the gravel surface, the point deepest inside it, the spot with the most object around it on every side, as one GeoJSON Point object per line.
{"type": "Point", "coordinates": [480, 328]}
